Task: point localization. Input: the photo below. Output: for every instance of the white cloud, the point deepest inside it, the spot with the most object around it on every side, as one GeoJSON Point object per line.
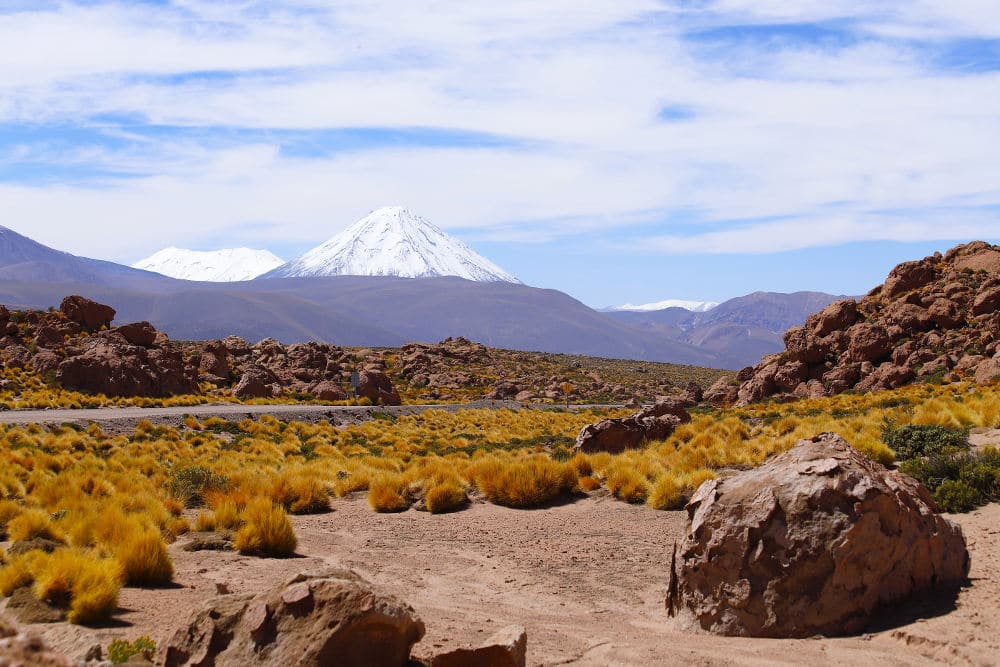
{"type": "Point", "coordinates": [826, 138]}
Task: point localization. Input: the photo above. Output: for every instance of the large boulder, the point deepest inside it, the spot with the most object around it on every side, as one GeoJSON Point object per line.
{"type": "Point", "coordinates": [811, 542]}
{"type": "Point", "coordinates": [908, 276]}
{"type": "Point", "coordinates": [256, 382]}
{"type": "Point", "coordinates": [377, 388]}
{"type": "Point", "coordinates": [656, 422]}
{"type": "Point", "coordinates": [88, 313]}
{"type": "Point", "coordinates": [139, 333]}
{"type": "Point", "coordinates": [838, 315]}
{"type": "Point", "coordinates": [327, 617]}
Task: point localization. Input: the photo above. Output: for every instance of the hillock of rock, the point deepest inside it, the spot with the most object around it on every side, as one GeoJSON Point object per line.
{"type": "Point", "coordinates": [812, 542]}
{"type": "Point", "coordinates": [933, 319]}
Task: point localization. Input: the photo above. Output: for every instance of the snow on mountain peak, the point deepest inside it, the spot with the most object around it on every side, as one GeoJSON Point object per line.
{"type": "Point", "coordinates": [694, 306]}
{"type": "Point", "coordinates": [392, 241]}
{"type": "Point", "coordinates": [219, 266]}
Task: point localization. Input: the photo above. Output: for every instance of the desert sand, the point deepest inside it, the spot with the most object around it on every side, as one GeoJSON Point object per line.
{"type": "Point", "coordinates": [586, 578]}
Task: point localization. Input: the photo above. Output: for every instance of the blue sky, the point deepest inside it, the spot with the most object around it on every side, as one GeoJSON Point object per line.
{"type": "Point", "coordinates": [618, 150]}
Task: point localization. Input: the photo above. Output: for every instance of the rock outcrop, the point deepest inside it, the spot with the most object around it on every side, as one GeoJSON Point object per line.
{"type": "Point", "coordinates": [934, 318]}
{"type": "Point", "coordinates": [811, 542]}
{"type": "Point", "coordinates": [377, 388]}
{"type": "Point", "coordinates": [656, 422]}
{"type": "Point", "coordinates": [328, 617]}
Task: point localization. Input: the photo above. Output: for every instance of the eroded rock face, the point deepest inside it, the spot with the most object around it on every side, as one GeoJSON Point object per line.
{"type": "Point", "coordinates": [656, 422]}
{"type": "Point", "coordinates": [88, 313]}
{"type": "Point", "coordinates": [328, 617]}
{"type": "Point", "coordinates": [811, 542]}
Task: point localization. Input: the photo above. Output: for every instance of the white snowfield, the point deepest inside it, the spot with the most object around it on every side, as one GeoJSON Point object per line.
{"type": "Point", "coordinates": [392, 241]}
{"type": "Point", "coordinates": [218, 266]}
{"type": "Point", "coordinates": [694, 306]}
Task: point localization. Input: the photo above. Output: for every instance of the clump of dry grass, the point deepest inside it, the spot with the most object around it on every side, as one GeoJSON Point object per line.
{"type": "Point", "coordinates": [387, 492]}
{"type": "Point", "coordinates": [32, 524]}
{"type": "Point", "coordinates": [447, 496]}
{"type": "Point", "coordinates": [144, 560]}
{"type": "Point", "coordinates": [522, 483]}
{"type": "Point", "coordinates": [266, 530]}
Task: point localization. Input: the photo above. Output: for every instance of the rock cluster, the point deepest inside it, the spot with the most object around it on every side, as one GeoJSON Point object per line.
{"type": "Point", "coordinates": [656, 422]}
{"type": "Point", "coordinates": [326, 617]}
{"type": "Point", "coordinates": [811, 542]}
{"type": "Point", "coordinates": [932, 318]}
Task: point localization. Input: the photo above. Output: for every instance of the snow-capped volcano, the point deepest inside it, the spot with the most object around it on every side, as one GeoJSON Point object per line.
{"type": "Point", "coordinates": [392, 241]}
{"type": "Point", "coordinates": [217, 266]}
{"type": "Point", "coordinates": [693, 306]}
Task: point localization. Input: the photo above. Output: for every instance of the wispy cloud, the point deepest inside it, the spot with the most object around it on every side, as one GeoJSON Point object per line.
{"type": "Point", "coordinates": [519, 120]}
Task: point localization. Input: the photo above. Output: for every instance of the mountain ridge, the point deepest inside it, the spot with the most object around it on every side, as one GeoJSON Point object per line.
{"type": "Point", "coordinates": [225, 265]}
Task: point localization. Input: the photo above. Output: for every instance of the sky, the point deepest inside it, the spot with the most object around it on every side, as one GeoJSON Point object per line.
{"type": "Point", "coordinates": [618, 150]}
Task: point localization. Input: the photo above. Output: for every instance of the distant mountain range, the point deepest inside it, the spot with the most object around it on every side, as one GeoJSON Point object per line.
{"type": "Point", "coordinates": [389, 310]}
{"type": "Point", "coordinates": [693, 306]}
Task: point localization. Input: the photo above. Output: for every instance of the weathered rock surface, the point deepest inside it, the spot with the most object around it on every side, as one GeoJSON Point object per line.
{"type": "Point", "coordinates": [88, 313]}
{"type": "Point", "coordinates": [928, 316]}
{"type": "Point", "coordinates": [506, 648]}
{"type": "Point", "coordinates": [19, 648]}
{"type": "Point", "coordinates": [811, 542]}
{"type": "Point", "coordinates": [656, 422]}
{"type": "Point", "coordinates": [377, 388]}
{"type": "Point", "coordinates": [328, 617]}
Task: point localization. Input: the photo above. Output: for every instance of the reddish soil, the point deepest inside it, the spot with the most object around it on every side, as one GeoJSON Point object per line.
{"type": "Point", "coordinates": [587, 580]}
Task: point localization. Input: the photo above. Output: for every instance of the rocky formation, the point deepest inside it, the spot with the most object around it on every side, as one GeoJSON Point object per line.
{"type": "Point", "coordinates": [935, 318]}
{"type": "Point", "coordinates": [23, 649]}
{"type": "Point", "coordinates": [656, 422]}
{"type": "Point", "coordinates": [377, 388]}
{"type": "Point", "coordinates": [320, 618]}
{"type": "Point", "coordinates": [506, 648]}
{"type": "Point", "coordinates": [811, 542]}
{"type": "Point", "coordinates": [87, 313]}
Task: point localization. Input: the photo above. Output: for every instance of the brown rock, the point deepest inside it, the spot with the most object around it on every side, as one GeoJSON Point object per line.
{"type": "Point", "coordinates": [945, 313]}
{"type": "Point", "coordinates": [506, 648]}
{"type": "Point", "coordinates": [868, 342]}
{"type": "Point", "coordinates": [811, 542]}
{"type": "Point", "coordinates": [19, 648]}
{"type": "Point", "coordinates": [109, 365]}
{"type": "Point", "coordinates": [803, 345]}
{"type": "Point", "coordinates": [328, 617]}
{"type": "Point", "coordinates": [377, 387]}
{"type": "Point", "coordinates": [328, 391]}
{"type": "Point", "coordinates": [46, 361]}
{"type": "Point", "coordinates": [47, 336]}
{"type": "Point", "coordinates": [908, 317]}
{"type": "Point", "coordinates": [214, 360]}
{"type": "Point", "coordinates": [138, 333]}
{"type": "Point", "coordinates": [986, 301]}
{"type": "Point", "coordinates": [838, 315]}
{"type": "Point", "coordinates": [723, 391]}
{"type": "Point", "coordinates": [256, 382]}
{"type": "Point", "coordinates": [88, 313]}
{"type": "Point", "coordinates": [886, 376]}
{"type": "Point", "coordinates": [975, 256]}
{"type": "Point", "coordinates": [789, 375]}
{"type": "Point", "coordinates": [988, 371]}
{"type": "Point", "coordinates": [909, 275]}
{"type": "Point", "coordinates": [656, 422]}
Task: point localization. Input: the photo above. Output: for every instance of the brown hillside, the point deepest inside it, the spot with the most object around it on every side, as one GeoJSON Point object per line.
{"type": "Point", "coordinates": [933, 319]}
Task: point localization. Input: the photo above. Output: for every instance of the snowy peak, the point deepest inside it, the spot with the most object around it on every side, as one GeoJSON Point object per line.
{"type": "Point", "coordinates": [392, 241]}
{"type": "Point", "coordinates": [693, 306]}
{"type": "Point", "coordinates": [217, 266]}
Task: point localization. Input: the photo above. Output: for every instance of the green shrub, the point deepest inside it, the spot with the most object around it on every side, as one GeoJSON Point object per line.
{"type": "Point", "coordinates": [956, 496]}
{"type": "Point", "coordinates": [189, 484]}
{"type": "Point", "coordinates": [910, 441]}
{"type": "Point", "coordinates": [120, 650]}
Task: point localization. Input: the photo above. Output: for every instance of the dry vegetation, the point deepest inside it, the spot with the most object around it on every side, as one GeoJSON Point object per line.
{"type": "Point", "coordinates": [110, 504]}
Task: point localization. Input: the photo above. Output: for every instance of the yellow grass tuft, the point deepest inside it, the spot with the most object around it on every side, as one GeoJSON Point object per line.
{"type": "Point", "coordinates": [387, 493]}
{"type": "Point", "coordinates": [522, 483]}
{"type": "Point", "coordinates": [266, 530]}
{"type": "Point", "coordinates": [87, 585]}
{"type": "Point", "coordinates": [31, 524]}
{"type": "Point", "coordinates": [445, 497]}
{"type": "Point", "coordinates": [144, 560]}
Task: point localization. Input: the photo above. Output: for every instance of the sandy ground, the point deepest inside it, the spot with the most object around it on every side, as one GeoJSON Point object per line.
{"type": "Point", "coordinates": [587, 580]}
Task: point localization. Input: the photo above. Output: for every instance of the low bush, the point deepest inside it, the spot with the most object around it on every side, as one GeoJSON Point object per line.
{"type": "Point", "coordinates": [120, 650]}
{"type": "Point", "coordinates": [956, 496]}
{"type": "Point", "coordinates": [266, 530]}
{"type": "Point", "coordinates": [31, 524]}
{"type": "Point", "coordinates": [914, 440]}
{"type": "Point", "coordinates": [87, 586]}
{"type": "Point", "coordinates": [387, 493]}
{"type": "Point", "coordinates": [190, 483]}
{"type": "Point", "coordinates": [959, 481]}
{"type": "Point", "coordinates": [667, 494]}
